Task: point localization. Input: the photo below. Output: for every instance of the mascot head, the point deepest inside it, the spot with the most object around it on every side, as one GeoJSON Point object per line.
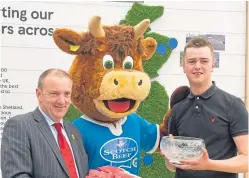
{"type": "Point", "coordinates": [109, 82]}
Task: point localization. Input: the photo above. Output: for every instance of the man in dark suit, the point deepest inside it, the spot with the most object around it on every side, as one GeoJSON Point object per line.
{"type": "Point", "coordinates": [40, 144]}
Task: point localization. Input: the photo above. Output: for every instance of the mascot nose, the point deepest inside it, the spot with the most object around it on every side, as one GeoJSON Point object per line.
{"type": "Point", "coordinates": [139, 83]}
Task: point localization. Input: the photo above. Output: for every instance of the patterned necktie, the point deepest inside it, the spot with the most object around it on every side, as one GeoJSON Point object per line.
{"type": "Point", "coordinates": [66, 152]}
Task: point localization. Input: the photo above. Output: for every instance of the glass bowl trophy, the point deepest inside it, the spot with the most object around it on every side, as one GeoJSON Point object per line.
{"type": "Point", "coordinates": [177, 148]}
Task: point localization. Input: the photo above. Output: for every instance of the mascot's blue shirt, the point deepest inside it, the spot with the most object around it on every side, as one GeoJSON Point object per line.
{"type": "Point", "coordinates": [118, 146]}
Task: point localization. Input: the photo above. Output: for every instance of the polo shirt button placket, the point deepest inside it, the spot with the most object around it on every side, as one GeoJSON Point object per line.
{"type": "Point", "coordinates": [197, 108]}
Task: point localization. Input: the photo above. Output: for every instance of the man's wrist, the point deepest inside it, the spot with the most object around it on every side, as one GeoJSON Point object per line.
{"type": "Point", "coordinates": [211, 165]}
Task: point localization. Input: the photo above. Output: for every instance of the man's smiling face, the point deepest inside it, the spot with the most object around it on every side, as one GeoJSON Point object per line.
{"type": "Point", "coordinates": [198, 65]}
{"type": "Point", "coordinates": [55, 96]}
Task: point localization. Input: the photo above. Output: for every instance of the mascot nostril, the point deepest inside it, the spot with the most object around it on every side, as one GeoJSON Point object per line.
{"type": "Point", "coordinates": [140, 82]}
{"type": "Point", "coordinates": [115, 82]}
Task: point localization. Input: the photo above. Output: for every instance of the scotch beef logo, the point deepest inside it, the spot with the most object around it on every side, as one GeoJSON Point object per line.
{"type": "Point", "coordinates": [119, 150]}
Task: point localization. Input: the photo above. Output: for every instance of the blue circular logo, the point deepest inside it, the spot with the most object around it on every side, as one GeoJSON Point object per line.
{"type": "Point", "coordinates": [119, 150]}
{"type": "Point", "coordinates": [172, 43]}
{"type": "Point", "coordinates": [147, 159]}
{"type": "Point", "coordinates": [161, 48]}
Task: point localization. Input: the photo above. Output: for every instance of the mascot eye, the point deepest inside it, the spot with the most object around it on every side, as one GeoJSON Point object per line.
{"type": "Point", "coordinates": [108, 62]}
{"type": "Point", "coordinates": [128, 63]}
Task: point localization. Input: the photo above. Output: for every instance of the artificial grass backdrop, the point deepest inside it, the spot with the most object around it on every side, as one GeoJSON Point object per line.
{"type": "Point", "coordinates": [156, 104]}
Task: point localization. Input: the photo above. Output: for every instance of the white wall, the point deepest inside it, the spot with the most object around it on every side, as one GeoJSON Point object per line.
{"type": "Point", "coordinates": [222, 18]}
{"type": "Point", "coordinates": [26, 56]}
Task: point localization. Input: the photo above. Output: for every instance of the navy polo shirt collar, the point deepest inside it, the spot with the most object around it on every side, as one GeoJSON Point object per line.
{"type": "Point", "coordinates": [207, 94]}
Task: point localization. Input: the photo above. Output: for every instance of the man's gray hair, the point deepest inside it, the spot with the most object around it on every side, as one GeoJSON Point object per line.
{"type": "Point", "coordinates": [54, 72]}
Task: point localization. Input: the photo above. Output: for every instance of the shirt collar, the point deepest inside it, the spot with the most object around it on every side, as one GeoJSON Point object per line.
{"type": "Point", "coordinates": [207, 94]}
{"type": "Point", "coordinates": [48, 119]}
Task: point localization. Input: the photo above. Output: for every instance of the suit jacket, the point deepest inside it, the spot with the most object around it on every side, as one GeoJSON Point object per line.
{"type": "Point", "coordinates": [29, 149]}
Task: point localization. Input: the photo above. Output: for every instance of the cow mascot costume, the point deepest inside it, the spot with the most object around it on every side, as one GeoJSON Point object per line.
{"type": "Point", "coordinates": [109, 85]}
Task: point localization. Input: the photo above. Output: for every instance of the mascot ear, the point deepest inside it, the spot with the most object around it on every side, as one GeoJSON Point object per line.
{"type": "Point", "coordinates": [148, 44]}
{"type": "Point", "coordinates": [67, 40]}
{"type": "Point", "coordinates": [149, 47]}
{"type": "Point", "coordinates": [178, 95]}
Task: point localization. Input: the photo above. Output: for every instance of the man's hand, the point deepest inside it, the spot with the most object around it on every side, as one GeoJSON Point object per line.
{"type": "Point", "coordinates": [203, 163]}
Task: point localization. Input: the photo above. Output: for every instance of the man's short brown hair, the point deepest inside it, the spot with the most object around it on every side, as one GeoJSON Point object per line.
{"type": "Point", "coordinates": [198, 42]}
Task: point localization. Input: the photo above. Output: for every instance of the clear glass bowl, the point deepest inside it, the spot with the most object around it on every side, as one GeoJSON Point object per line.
{"type": "Point", "coordinates": [178, 148]}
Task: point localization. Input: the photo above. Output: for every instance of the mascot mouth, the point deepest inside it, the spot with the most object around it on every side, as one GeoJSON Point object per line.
{"type": "Point", "coordinates": [120, 105]}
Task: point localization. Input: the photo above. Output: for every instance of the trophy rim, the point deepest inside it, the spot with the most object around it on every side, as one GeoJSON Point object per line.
{"type": "Point", "coordinates": [183, 138]}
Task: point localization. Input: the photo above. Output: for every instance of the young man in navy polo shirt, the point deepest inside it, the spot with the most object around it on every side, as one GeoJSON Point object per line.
{"type": "Point", "coordinates": [212, 114]}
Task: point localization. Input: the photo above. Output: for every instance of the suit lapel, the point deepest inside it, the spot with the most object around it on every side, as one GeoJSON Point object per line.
{"type": "Point", "coordinates": [75, 149]}
{"type": "Point", "coordinates": [48, 135]}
